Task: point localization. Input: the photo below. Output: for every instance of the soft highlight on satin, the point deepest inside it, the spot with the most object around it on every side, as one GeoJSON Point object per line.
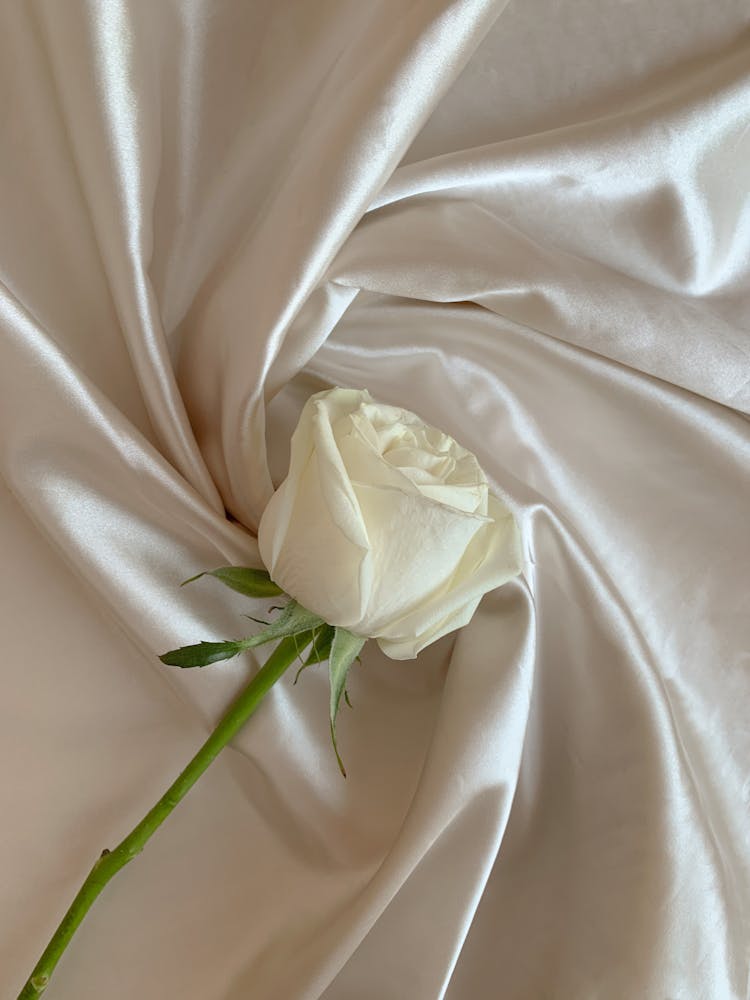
{"type": "Point", "coordinates": [527, 223]}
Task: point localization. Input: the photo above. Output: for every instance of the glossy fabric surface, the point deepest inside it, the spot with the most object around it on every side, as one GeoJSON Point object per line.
{"type": "Point", "coordinates": [528, 223]}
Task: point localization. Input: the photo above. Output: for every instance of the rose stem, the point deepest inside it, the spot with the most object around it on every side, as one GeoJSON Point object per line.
{"type": "Point", "coordinates": [110, 862]}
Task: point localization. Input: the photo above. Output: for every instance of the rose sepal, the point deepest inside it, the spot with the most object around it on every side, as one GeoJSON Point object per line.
{"type": "Point", "coordinates": [245, 580]}
{"type": "Point", "coordinates": [294, 620]}
{"type": "Point", "coordinates": [345, 648]}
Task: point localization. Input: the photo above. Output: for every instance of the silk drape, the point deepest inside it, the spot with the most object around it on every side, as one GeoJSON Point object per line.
{"type": "Point", "coordinates": [531, 225]}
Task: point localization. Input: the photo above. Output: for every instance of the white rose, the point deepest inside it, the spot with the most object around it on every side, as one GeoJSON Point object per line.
{"type": "Point", "coordinates": [385, 526]}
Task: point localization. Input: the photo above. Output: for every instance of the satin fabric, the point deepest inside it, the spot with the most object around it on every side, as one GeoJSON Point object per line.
{"type": "Point", "coordinates": [527, 223]}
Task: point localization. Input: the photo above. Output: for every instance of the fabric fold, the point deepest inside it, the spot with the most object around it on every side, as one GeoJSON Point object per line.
{"type": "Point", "coordinates": [527, 224]}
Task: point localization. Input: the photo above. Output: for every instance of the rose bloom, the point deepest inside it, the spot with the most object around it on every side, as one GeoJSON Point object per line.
{"type": "Point", "coordinates": [384, 525]}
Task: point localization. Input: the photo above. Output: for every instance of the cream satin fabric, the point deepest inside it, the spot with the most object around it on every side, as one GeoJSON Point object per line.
{"type": "Point", "coordinates": [528, 223]}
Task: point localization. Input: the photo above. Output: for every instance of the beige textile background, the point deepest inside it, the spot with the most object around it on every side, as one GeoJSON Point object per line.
{"type": "Point", "coordinates": [530, 223]}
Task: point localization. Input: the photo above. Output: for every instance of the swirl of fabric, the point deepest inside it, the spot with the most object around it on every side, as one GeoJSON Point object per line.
{"type": "Point", "coordinates": [529, 224]}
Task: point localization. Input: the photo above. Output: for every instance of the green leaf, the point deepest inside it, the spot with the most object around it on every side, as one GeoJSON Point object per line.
{"type": "Point", "coordinates": [202, 653]}
{"type": "Point", "coordinates": [250, 582]}
{"type": "Point", "coordinates": [344, 651]}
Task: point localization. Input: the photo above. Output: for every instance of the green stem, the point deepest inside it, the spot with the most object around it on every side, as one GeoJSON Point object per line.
{"type": "Point", "coordinates": [110, 862]}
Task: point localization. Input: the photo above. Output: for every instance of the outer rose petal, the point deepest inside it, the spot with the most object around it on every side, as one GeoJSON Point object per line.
{"type": "Point", "coordinates": [318, 564]}
{"type": "Point", "coordinates": [416, 545]}
{"type": "Point", "coordinates": [311, 536]}
{"type": "Point", "coordinates": [407, 648]}
{"type": "Point", "coordinates": [493, 558]}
